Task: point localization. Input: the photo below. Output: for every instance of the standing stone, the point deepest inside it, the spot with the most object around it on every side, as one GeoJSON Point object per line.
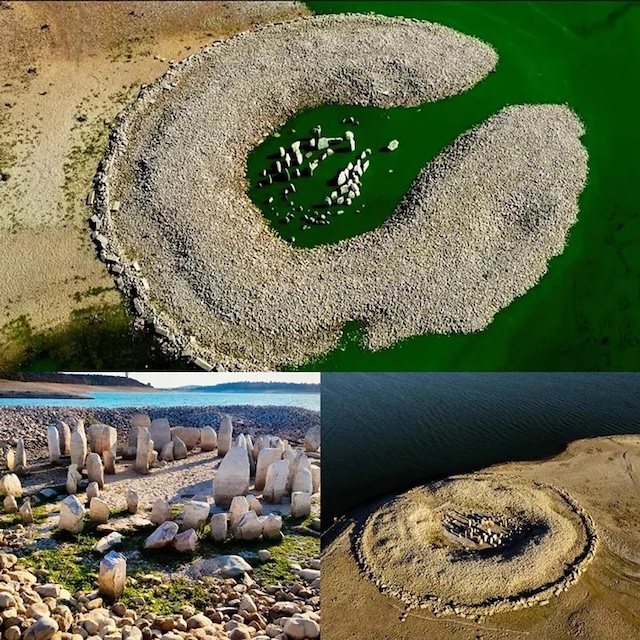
{"type": "Point", "coordinates": [260, 443]}
{"type": "Point", "coordinates": [315, 478]}
{"type": "Point", "coordinates": [109, 461]}
{"type": "Point", "coordinates": [299, 462]}
{"type": "Point", "coordinates": [95, 470]}
{"type": "Point", "coordinates": [179, 449]}
{"type": "Point", "coordinates": [189, 435]}
{"type": "Point", "coordinates": [160, 433]}
{"type": "Point", "coordinates": [232, 478]}
{"type": "Point", "coordinates": [160, 511]}
{"type": "Point", "coordinates": [300, 504]}
{"type": "Point", "coordinates": [98, 511]}
{"type": "Point", "coordinates": [21, 457]}
{"type": "Point", "coordinates": [272, 526]}
{"type": "Point", "coordinates": [71, 515]}
{"type": "Point", "coordinates": [64, 435]}
{"type": "Point", "coordinates": [186, 541]}
{"type": "Point", "coordinates": [195, 514]}
{"type": "Point", "coordinates": [144, 448]}
{"type": "Point", "coordinates": [255, 504]}
{"type": "Point", "coordinates": [162, 536]}
{"type": "Point", "coordinates": [248, 443]}
{"type": "Point", "coordinates": [78, 449]}
{"type": "Point", "coordinates": [25, 512]}
{"type": "Point", "coordinates": [11, 459]}
{"type": "Point", "coordinates": [303, 481]}
{"type": "Point", "coordinates": [113, 575]}
{"type": "Point", "coordinates": [132, 501]}
{"type": "Point", "coordinates": [73, 479]}
{"type": "Point", "coordinates": [208, 439]}
{"type": "Point", "coordinates": [101, 438]}
{"type": "Point", "coordinates": [93, 490]}
{"type": "Point", "coordinates": [239, 505]}
{"type": "Point", "coordinates": [247, 527]}
{"type": "Point", "coordinates": [312, 439]}
{"type": "Point", "coordinates": [140, 420]}
{"type": "Point", "coordinates": [166, 455]}
{"type": "Point", "coordinates": [225, 435]}
{"type": "Point", "coordinates": [10, 485]}
{"type": "Point", "coordinates": [276, 484]}
{"type": "Point", "coordinates": [10, 504]}
{"type": "Point", "coordinates": [241, 441]}
{"type": "Point", "coordinates": [53, 440]}
{"type": "Point", "coordinates": [266, 457]}
{"type": "Point", "coordinates": [219, 527]}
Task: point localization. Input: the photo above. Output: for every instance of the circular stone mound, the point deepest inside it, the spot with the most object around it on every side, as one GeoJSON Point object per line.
{"type": "Point", "coordinates": [197, 258]}
{"type": "Point", "coordinates": [476, 545]}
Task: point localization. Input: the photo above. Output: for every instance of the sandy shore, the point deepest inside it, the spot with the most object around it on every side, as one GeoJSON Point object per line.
{"type": "Point", "coordinates": [602, 475]}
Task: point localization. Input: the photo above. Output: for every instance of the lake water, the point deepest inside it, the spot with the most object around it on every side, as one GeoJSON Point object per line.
{"type": "Point", "coordinates": [117, 399]}
{"type": "Point", "coordinates": [387, 432]}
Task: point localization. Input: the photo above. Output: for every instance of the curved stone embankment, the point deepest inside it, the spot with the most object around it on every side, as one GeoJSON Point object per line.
{"type": "Point", "coordinates": [446, 581]}
{"type": "Point", "coordinates": [30, 423]}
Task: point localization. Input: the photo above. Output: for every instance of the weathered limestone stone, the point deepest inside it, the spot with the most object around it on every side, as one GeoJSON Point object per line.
{"type": "Point", "coordinates": [53, 440]}
{"type": "Point", "coordinates": [239, 505]}
{"type": "Point", "coordinates": [315, 478]}
{"type": "Point", "coordinates": [113, 575]}
{"type": "Point", "coordinates": [300, 504]}
{"type": "Point", "coordinates": [219, 526]}
{"type": "Point", "coordinates": [276, 484]}
{"type": "Point", "coordinates": [259, 443]}
{"type": "Point", "coordinates": [10, 485]}
{"type": "Point", "coordinates": [290, 455]}
{"type": "Point", "coordinates": [162, 536]}
{"type": "Point", "coordinates": [272, 526]}
{"type": "Point", "coordinates": [264, 555]}
{"type": "Point", "coordinates": [140, 420]}
{"type": "Point", "coordinates": [266, 457]}
{"type": "Point", "coordinates": [21, 457]}
{"type": "Point", "coordinates": [78, 449]}
{"type": "Point", "coordinates": [195, 514]}
{"type": "Point", "coordinates": [312, 439]}
{"type": "Point", "coordinates": [208, 439]}
{"type": "Point", "coordinates": [11, 459]}
{"type": "Point", "coordinates": [179, 449]}
{"type": "Point", "coordinates": [109, 461]}
{"type": "Point", "coordinates": [232, 478]}
{"type": "Point", "coordinates": [64, 435]}
{"type": "Point", "coordinates": [104, 544]}
{"type": "Point", "coordinates": [167, 452]}
{"type": "Point", "coordinates": [186, 541]}
{"type": "Point", "coordinates": [98, 511]}
{"type": "Point", "coordinates": [189, 435]}
{"type": "Point", "coordinates": [95, 470]}
{"type": "Point", "coordinates": [71, 515]}
{"type": "Point", "coordinates": [10, 504]}
{"type": "Point", "coordinates": [302, 481]}
{"type": "Point", "coordinates": [301, 627]}
{"type": "Point", "coordinates": [225, 435]}
{"type": "Point", "coordinates": [132, 501]}
{"type": "Point", "coordinates": [160, 511]}
{"type": "Point", "coordinates": [25, 512]}
{"type": "Point", "coordinates": [101, 438]}
{"type": "Point", "coordinates": [160, 433]}
{"type": "Point", "coordinates": [42, 629]}
{"type": "Point", "coordinates": [241, 441]}
{"type": "Point", "coordinates": [73, 478]}
{"type": "Point", "coordinates": [144, 447]}
{"type": "Point", "coordinates": [300, 461]}
{"type": "Point", "coordinates": [247, 527]}
{"type": "Point", "coordinates": [93, 490]}
{"type": "Point", "coordinates": [254, 504]}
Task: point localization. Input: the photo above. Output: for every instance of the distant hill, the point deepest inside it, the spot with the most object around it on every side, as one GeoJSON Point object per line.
{"type": "Point", "coordinates": [94, 380]}
{"type": "Point", "coordinates": [254, 387]}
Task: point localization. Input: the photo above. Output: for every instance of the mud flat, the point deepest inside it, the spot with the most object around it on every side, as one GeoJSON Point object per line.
{"type": "Point", "coordinates": [198, 261]}
{"type": "Point", "coordinates": [576, 574]}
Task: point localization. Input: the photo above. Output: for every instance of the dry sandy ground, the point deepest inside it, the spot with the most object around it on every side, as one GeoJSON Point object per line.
{"type": "Point", "coordinates": [66, 69]}
{"type": "Point", "coordinates": [31, 389]}
{"type": "Point", "coordinates": [603, 475]}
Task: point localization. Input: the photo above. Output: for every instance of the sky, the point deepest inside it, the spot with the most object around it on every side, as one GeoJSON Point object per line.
{"type": "Point", "coordinates": [169, 380]}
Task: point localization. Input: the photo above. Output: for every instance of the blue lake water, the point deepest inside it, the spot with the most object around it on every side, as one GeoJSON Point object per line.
{"type": "Point", "coordinates": [117, 399]}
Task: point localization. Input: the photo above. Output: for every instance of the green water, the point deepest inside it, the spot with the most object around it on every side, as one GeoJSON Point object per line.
{"type": "Point", "coordinates": [585, 313]}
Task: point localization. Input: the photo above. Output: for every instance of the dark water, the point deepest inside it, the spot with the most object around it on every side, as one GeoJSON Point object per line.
{"type": "Point", "coordinates": [386, 432]}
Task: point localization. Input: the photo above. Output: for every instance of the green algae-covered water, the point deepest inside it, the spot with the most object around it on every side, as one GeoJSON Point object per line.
{"type": "Point", "coordinates": [585, 312]}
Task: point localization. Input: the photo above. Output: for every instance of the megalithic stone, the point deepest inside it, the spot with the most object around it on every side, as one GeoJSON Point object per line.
{"type": "Point", "coordinates": [53, 440]}
{"type": "Point", "coordinates": [95, 470]}
{"type": "Point", "coordinates": [232, 478]}
{"type": "Point", "coordinates": [65, 437]}
{"type": "Point", "coordinates": [276, 482]}
{"type": "Point", "coordinates": [21, 457]}
{"type": "Point", "coordinates": [208, 439]}
{"type": "Point", "coordinates": [144, 450]}
{"type": "Point", "coordinates": [266, 457]}
{"type": "Point", "coordinates": [78, 449]}
{"type": "Point", "coordinates": [225, 435]}
{"type": "Point", "coordinates": [113, 575]}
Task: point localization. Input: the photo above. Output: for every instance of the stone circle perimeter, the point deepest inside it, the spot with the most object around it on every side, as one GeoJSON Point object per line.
{"type": "Point", "coordinates": [477, 228]}
{"type": "Point", "coordinates": [402, 549]}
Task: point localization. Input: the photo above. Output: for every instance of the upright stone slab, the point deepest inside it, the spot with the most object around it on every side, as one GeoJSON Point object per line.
{"type": "Point", "coordinates": [95, 470]}
{"type": "Point", "coordinates": [11, 459]}
{"type": "Point", "coordinates": [247, 527]}
{"type": "Point", "coordinates": [109, 461]}
{"type": "Point", "coordinates": [208, 439]}
{"type": "Point", "coordinates": [266, 457]}
{"type": "Point", "coordinates": [312, 439]}
{"type": "Point", "coordinates": [71, 515]}
{"type": "Point", "coordinates": [189, 435]}
{"type": "Point", "coordinates": [315, 478]}
{"type": "Point", "coordinates": [299, 462]}
{"type": "Point", "coordinates": [276, 483]}
{"type": "Point", "coordinates": [144, 449]}
{"type": "Point", "coordinates": [53, 440]}
{"type": "Point", "coordinates": [137, 420]}
{"type": "Point", "coordinates": [180, 451]}
{"type": "Point", "coordinates": [239, 505]}
{"type": "Point", "coordinates": [225, 435]}
{"type": "Point", "coordinates": [160, 433]}
{"type": "Point", "coordinates": [272, 526]}
{"type": "Point", "coordinates": [10, 485]}
{"type": "Point", "coordinates": [260, 443]}
{"type": "Point", "coordinates": [160, 511]}
{"type": "Point", "coordinates": [300, 504]}
{"type": "Point", "coordinates": [78, 448]}
{"type": "Point", "coordinates": [232, 478]}
{"type": "Point", "coordinates": [64, 434]}
{"type": "Point", "coordinates": [132, 501]}
{"type": "Point", "coordinates": [254, 504]}
{"type": "Point", "coordinates": [73, 479]}
{"type": "Point", "coordinates": [101, 438]}
{"type": "Point", "coordinates": [98, 511]}
{"type": "Point", "coordinates": [93, 491]}
{"type": "Point", "coordinates": [26, 515]}
{"type": "Point", "coordinates": [302, 481]}
{"type": "Point", "coordinates": [195, 514]}
{"type": "Point", "coordinates": [10, 504]}
{"type": "Point", "coordinates": [166, 455]}
{"type": "Point", "coordinates": [219, 527]}
{"type": "Point", "coordinates": [21, 457]}
{"type": "Point", "coordinates": [113, 575]}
